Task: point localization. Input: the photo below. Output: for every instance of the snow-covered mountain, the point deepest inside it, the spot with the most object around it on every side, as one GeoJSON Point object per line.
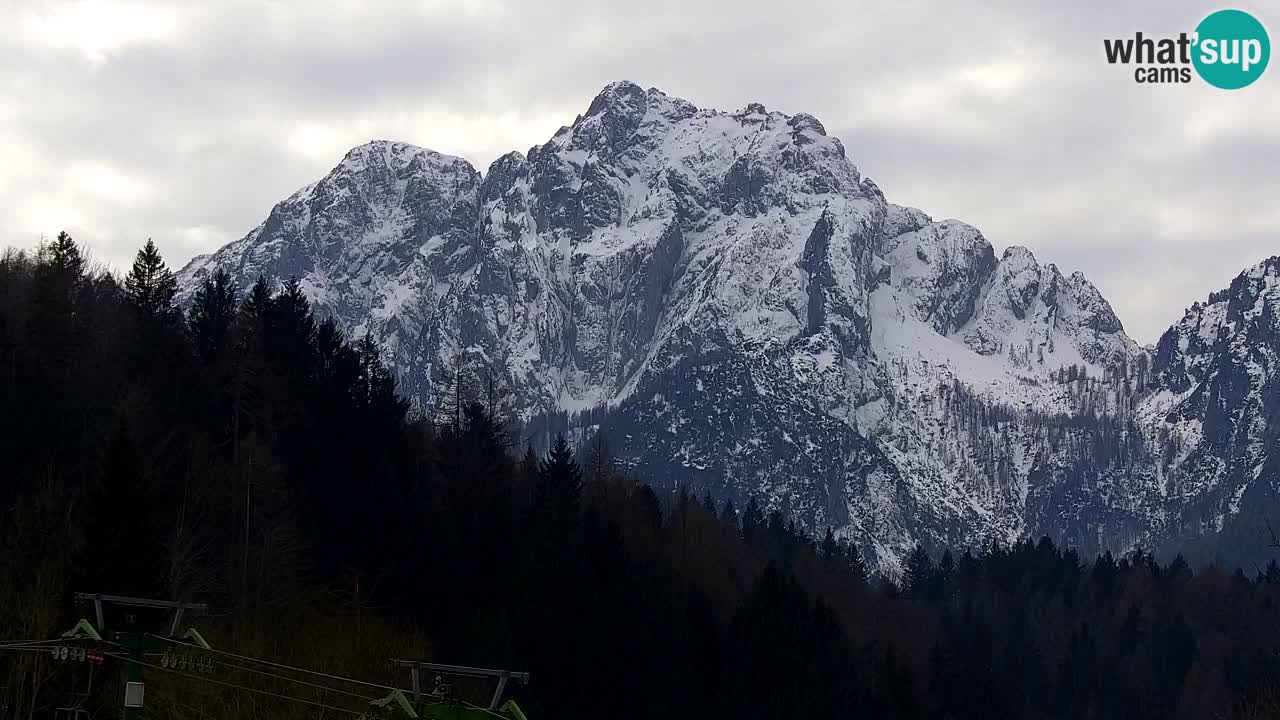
{"type": "Point", "coordinates": [742, 311]}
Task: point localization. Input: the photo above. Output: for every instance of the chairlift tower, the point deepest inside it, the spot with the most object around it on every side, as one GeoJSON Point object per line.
{"type": "Point", "coordinates": [139, 626]}
{"type": "Point", "coordinates": [502, 676]}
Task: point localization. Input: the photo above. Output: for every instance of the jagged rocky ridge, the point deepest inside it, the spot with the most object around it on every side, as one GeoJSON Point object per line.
{"type": "Point", "coordinates": [740, 310]}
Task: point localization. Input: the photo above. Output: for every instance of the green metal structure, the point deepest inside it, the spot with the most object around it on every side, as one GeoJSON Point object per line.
{"type": "Point", "coordinates": [131, 633]}
{"type": "Point", "coordinates": [131, 629]}
{"type": "Point", "coordinates": [440, 703]}
{"type": "Point", "coordinates": [397, 706]}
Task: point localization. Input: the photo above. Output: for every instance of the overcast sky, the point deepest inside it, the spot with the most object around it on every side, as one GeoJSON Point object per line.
{"type": "Point", "coordinates": [186, 121]}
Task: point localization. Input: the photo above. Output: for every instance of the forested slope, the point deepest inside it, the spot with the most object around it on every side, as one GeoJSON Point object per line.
{"type": "Point", "coordinates": [246, 454]}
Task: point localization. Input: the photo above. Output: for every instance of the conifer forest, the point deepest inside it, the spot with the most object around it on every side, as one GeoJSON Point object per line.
{"type": "Point", "coordinates": [243, 453]}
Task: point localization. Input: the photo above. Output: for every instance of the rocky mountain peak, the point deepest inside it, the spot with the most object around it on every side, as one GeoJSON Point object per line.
{"type": "Point", "coordinates": [1019, 275]}
{"type": "Point", "coordinates": [740, 310]}
{"type": "Point", "coordinates": [615, 116]}
{"type": "Point", "coordinates": [380, 153]}
{"type": "Point", "coordinates": [1237, 325]}
{"type": "Point", "coordinates": [620, 98]}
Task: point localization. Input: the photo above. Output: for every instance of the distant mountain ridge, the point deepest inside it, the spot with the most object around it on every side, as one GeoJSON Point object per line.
{"type": "Point", "coordinates": [750, 316]}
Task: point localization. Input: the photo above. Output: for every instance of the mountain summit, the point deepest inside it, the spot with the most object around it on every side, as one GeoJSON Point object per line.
{"type": "Point", "coordinates": [741, 311]}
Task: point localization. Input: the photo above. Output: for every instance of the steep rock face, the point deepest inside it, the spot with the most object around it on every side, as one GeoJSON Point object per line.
{"type": "Point", "coordinates": [648, 215]}
{"type": "Point", "coordinates": [742, 311]}
{"type": "Point", "coordinates": [940, 269]}
{"type": "Point", "coordinates": [1218, 371]}
{"type": "Point", "coordinates": [1027, 308]}
{"type": "Point", "coordinates": [384, 242]}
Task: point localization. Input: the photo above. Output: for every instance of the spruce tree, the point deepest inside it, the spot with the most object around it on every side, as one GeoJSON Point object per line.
{"type": "Point", "coordinates": [454, 389]}
{"type": "Point", "coordinates": [709, 503]}
{"type": "Point", "coordinates": [946, 567]}
{"type": "Point", "coordinates": [63, 256]}
{"type": "Point", "coordinates": [918, 572]}
{"type": "Point", "coordinates": [53, 323]}
{"type": "Point", "coordinates": [213, 309]}
{"type": "Point", "coordinates": [291, 312]}
{"type": "Point", "coordinates": [528, 466]}
{"type": "Point", "coordinates": [829, 549]}
{"type": "Point", "coordinates": [729, 514]}
{"type": "Point", "coordinates": [600, 461]}
{"type": "Point", "coordinates": [752, 520]}
{"type": "Point", "coordinates": [291, 335]}
{"type": "Point", "coordinates": [151, 285]}
{"type": "Point", "coordinates": [558, 494]}
{"type": "Point", "coordinates": [377, 386]}
{"type": "Point", "coordinates": [857, 566]}
{"type": "Point", "coordinates": [259, 302]}
{"type": "Point", "coordinates": [60, 273]}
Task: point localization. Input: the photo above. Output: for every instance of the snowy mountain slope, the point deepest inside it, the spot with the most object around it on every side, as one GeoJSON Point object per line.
{"type": "Point", "coordinates": [1218, 370]}
{"type": "Point", "coordinates": [754, 318]}
{"type": "Point", "coordinates": [647, 216]}
{"type": "Point", "coordinates": [383, 241]}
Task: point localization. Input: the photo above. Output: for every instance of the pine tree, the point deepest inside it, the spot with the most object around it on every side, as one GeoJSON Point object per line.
{"type": "Point", "coordinates": [151, 285]}
{"type": "Point", "coordinates": [497, 394]}
{"type": "Point", "coordinates": [752, 520]}
{"type": "Point", "coordinates": [1105, 571]}
{"type": "Point", "coordinates": [709, 503]}
{"type": "Point", "coordinates": [454, 389]}
{"type": "Point", "coordinates": [293, 310]}
{"type": "Point", "coordinates": [558, 494]}
{"type": "Point", "coordinates": [918, 572]}
{"type": "Point", "coordinates": [53, 323]}
{"type": "Point", "coordinates": [857, 566]}
{"type": "Point", "coordinates": [213, 310]}
{"type": "Point", "coordinates": [1179, 570]}
{"type": "Point", "coordinates": [63, 256]}
{"type": "Point", "coordinates": [528, 467]}
{"type": "Point", "coordinates": [291, 340]}
{"type": "Point", "coordinates": [259, 302]}
{"type": "Point", "coordinates": [60, 271]}
{"type": "Point", "coordinates": [729, 514]}
{"type": "Point", "coordinates": [600, 460]}
{"type": "Point", "coordinates": [377, 386]}
{"type": "Point", "coordinates": [944, 576]}
{"type": "Point", "coordinates": [829, 549]}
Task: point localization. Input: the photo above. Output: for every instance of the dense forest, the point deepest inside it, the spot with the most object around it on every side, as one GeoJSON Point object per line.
{"type": "Point", "coordinates": [244, 453]}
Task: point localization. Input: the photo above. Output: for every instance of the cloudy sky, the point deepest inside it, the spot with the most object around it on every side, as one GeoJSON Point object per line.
{"type": "Point", "coordinates": [186, 121]}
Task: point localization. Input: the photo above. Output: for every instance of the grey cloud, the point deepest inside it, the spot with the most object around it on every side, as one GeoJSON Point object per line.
{"type": "Point", "coordinates": [1040, 143]}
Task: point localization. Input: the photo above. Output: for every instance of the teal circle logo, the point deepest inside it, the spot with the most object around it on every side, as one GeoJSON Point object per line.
{"type": "Point", "coordinates": [1232, 49]}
